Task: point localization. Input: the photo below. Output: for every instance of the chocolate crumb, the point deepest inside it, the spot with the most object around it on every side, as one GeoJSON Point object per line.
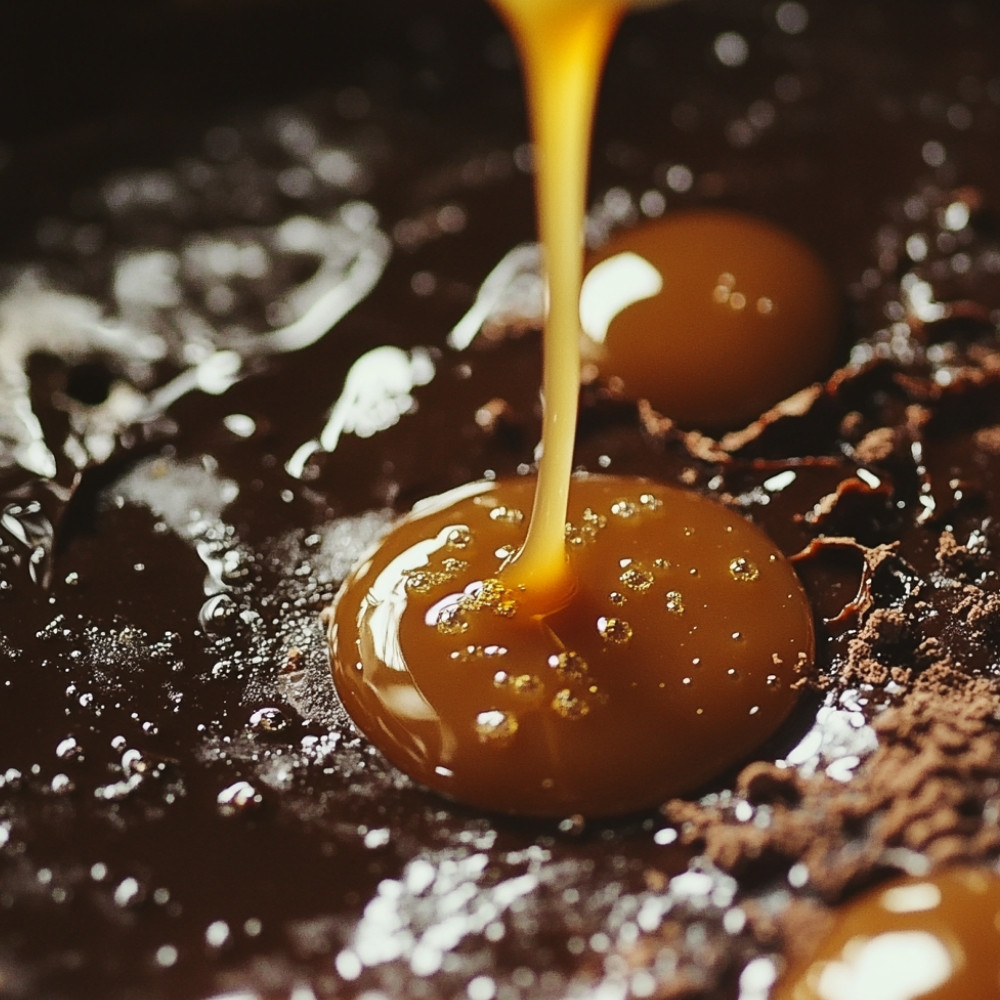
{"type": "Point", "coordinates": [876, 446]}
{"type": "Point", "coordinates": [930, 786]}
{"type": "Point", "coordinates": [962, 562]}
{"type": "Point", "coordinates": [293, 659]}
{"type": "Point", "coordinates": [764, 783]}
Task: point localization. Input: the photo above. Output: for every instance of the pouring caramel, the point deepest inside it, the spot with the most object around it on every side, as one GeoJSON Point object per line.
{"type": "Point", "coordinates": [563, 44]}
{"type": "Point", "coordinates": [568, 645]}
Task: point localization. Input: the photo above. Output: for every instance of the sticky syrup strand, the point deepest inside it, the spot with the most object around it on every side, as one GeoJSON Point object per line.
{"type": "Point", "coordinates": [563, 45]}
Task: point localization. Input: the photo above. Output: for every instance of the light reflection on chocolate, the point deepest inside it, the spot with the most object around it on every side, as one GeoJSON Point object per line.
{"type": "Point", "coordinates": [116, 864]}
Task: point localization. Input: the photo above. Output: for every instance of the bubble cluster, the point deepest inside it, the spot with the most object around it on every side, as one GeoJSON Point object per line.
{"type": "Point", "coordinates": [590, 525]}
{"type": "Point", "coordinates": [569, 705]}
{"type": "Point", "coordinates": [744, 570]}
{"type": "Point", "coordinates": [636, 577]}
{"type": "Point", "coordinates": [587, 706]}
{"type": "Point", "coordinates": [491, 595]}
{"type": "Point", "coordinates": [496, 727]}
{"type": "Point", "coordinates": [614, 630]}
{"type": "Point", "coordinates": [422, 580]}
{"type": "Point", "coordinates": [510, 515]}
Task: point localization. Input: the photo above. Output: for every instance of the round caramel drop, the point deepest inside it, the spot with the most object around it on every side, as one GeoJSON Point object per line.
{"type": "Point", "coordinates": [935, 938]}
{"type": "Point", "coordinates": [713, 316]}
{"type": "Point", "coordinates": [673, 659]}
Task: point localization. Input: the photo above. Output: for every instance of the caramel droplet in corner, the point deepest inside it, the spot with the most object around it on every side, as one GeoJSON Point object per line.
{"type": "Point", "coordinates": [933, 938]}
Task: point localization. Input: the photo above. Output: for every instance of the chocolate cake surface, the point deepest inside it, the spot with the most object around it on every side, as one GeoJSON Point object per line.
{"type": "Point", "coordinates": [220, 220]}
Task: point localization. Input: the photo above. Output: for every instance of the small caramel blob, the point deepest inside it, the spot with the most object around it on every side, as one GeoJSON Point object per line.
{"type": "Point", "coordinates": [595, 706]}
{"type": "Point", "coordinates": [934, 938]}
{"type": "Point", "coordinates": [713, 316]}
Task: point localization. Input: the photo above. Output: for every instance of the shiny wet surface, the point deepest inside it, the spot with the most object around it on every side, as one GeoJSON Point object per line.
{"type": "Point", "coordinates": [184, 809]}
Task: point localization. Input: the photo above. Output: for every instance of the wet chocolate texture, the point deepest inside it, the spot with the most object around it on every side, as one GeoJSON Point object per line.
{"type": "Point", "coordinates": [185, 810]}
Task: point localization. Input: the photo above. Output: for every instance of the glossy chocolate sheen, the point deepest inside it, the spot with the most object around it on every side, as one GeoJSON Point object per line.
{"type": "Point", "coordinates": [185, 811]}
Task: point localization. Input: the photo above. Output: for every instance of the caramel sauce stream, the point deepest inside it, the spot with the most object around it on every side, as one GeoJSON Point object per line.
{"type": "Point", "coordinates": [562, 44]}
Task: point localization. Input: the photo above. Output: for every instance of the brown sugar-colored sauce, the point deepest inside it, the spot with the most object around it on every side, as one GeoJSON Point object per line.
{"type": "Point", "coordinates": [658, 673]}
{"type": "Point", "coordinates": [712, 316]}
{"type": "Point", "coordinates": [935, 937]}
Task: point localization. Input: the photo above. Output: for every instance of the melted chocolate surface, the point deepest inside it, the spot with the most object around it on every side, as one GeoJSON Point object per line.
{"type": "Point", "coordinates": [197, 268]}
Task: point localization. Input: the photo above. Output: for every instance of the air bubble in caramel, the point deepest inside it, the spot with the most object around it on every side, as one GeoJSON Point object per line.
{"type": "Point", "coordinates": [711, 315]}
{"type": "Point", "coordinates": [591, 707]}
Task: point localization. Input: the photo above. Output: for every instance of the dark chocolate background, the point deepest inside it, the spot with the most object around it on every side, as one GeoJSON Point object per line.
{"type": "Point", "coordinates": [184, 810]}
